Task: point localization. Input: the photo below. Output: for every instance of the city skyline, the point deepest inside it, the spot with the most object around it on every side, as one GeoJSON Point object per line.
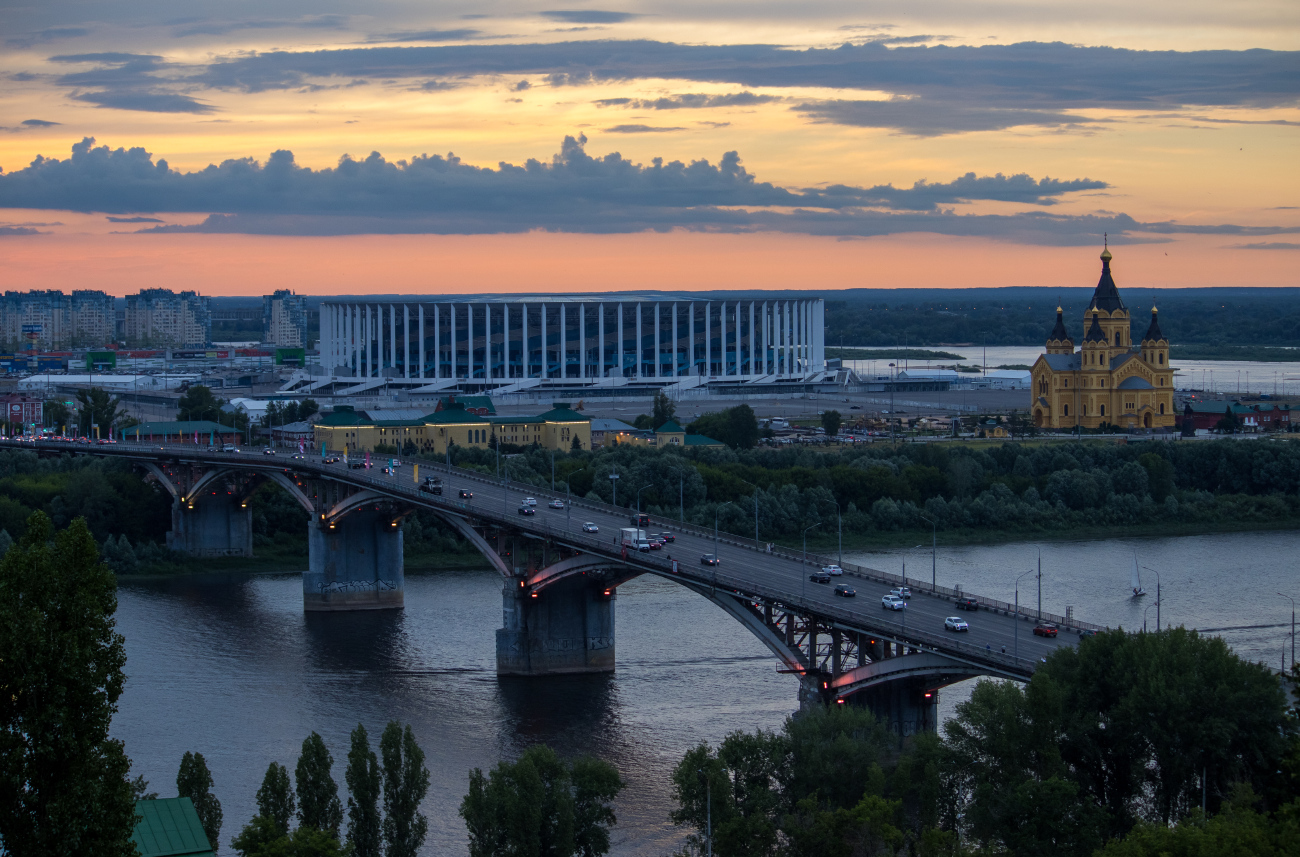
{"type": "Point", "coordinates": [656, 146]}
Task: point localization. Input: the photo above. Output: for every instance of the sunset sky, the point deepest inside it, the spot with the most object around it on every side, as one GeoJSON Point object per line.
{"type": "Point", "coordinates": [332, 148]}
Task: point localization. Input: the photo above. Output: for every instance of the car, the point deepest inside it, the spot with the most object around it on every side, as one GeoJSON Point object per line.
{"type": "Point", "coordinates": [893, 602]}
{"type": "Point", "coordinates": [530, 501]}
{"type": "Point", "coordinates": [644, 546]}
{"type": "Point", "coordinates": [268, 451]}
{"type": "Point", "coordinates": [431, 488]}
{"type": "Point", "coordinates": [333, 459]}
{"type": "Point", "coordinates": [902, 592]}
{"type": "Point", "coordinates": [819, 577]}
{"type": "Point", "coordinates": [229, 447]}
{"type": "Point", "coordinates": [666, 537]}
{"type": "Point", "coordinates": [1045, 629]}
{"type": "Point", "coordinates": [527, 510]}
{"type": "Point", "coordinates": [357, 465]}
{"type": "Point", "coordinates": [1088, 632]}
{"type": "Point", "coordinates": [556, 504]}
{"type": "Point", "coordinates": [656, 544]}
{"type": "Point", "coordinates": [298, 456]}
{"type": "Point", "coordinates": [388, 471]}
{"type": "Point", "coordinates": [639, 520]}
{"type": "Point", "coordinates": [589, 527]}
{"type": "Point", "coordinates": [855, 407]}
{"type": "Point", "coordinates": [833, 570]}
{"type": "Point", "coordinates": [466, 494]}
{"type": "Point", "coordinates": [709, 559]}
{"type": "Point", "coordinates": [844, 590]}
{"type": "Point", "coordinates": [967, 604]}
{"type": "Point", "coordinates": [955, 623]}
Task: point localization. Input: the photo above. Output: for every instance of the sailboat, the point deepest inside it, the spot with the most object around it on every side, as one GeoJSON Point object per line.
{"type": "Point", "coordinates": [1138, 591]}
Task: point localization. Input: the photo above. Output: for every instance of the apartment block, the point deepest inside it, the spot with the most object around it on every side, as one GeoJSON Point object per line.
{"type": "Point", "coordinates": [161, 318]}
{"type": "Point", "coordinates": [47, 319]}
{"type": "Point", "coordinates": [284, 319]}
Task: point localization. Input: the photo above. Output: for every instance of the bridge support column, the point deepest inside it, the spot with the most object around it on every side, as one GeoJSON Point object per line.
{"type": "Point", "coordinates": [354, 565]}
{"type": "Point", "coordinates": [213, 524]}
{"type": "Point", "coordinates": [907, 706]}
{"type": "Point", "coordinates": [567, 628]}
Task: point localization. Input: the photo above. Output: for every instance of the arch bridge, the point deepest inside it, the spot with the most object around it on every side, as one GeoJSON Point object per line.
{"type": "Point", "coordinates": [560, 583]}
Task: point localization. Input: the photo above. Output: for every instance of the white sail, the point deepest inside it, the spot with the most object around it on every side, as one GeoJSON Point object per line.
{"type": "Point", "coordinates": [1137, 579]}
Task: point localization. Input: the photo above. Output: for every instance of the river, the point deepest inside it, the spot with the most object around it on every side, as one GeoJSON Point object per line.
{"type": "Point", "coordinates": [230, 666]}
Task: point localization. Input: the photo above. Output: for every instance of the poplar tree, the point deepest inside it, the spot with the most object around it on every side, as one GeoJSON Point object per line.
{"type": "Point", "coordinates": [318, 794]}
{"type": "Point", "coordinates": [406, 780]}
{"type": "Point", "coordinates": [64, 785]}
{"type": "Point", "coordinates": [194, 781]}
{"type": "Point", "coordinates": [364, 826]}
{"type": "Point", "coordinates": [275, 797]}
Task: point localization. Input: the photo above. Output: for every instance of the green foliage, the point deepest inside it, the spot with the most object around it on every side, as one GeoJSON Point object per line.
{"type": "Point", "coordinates": [362, 776]}
{"type": "Point", "coordinates": [736, 427]}
{"type": "Point", "coordinates": [318, 794]}
{"type": "Point", "coordinates": [539, 805]}
{"type": "Point", "coordinates": [664, 409]}
{"type": "Point", "coordinates": [260, 839]}
{"type": "Point", "coordinates": [406, 780]}
{"type": "Point", "coordinates": [64, 785]}
{"type": "Point", "coordinates": [55, 413]}
{"type": "Point", "coordinates": [194, 781]}
{"type": "Point", "coordinates": [97, 408]}
{"type": "Point", "coordinates": [831, 422]}
{"type": "Point", "coordinates": [198, 403]}
{"type": "Point", "coordinates": [283, 413]}
{"type": "Point", "coordinates": [275, 800]}
{"type": "Point", "coordinates": [1238, 830]}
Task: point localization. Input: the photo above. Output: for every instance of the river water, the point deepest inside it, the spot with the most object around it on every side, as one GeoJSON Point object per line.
{"type": "Point", "coordinates": [230, 666]}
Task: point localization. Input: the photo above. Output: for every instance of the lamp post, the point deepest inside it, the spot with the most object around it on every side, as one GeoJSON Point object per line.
{"type": "Point", "coordinates": [1148, 610]}
{"type": "Point", "coordinates": [839, 531]}
{"type": "Point", "coordinates": [1157, 574]}
{"type": "Point", "coordinates": [716, 511]}
{"type": "Point", "coordinates": [1292, 600]}
{"type": "Point", "coordinates": [638, 496]}
{"type": "Point", "coordinates": [803, 574]}
{"type": "Point", "coordinates": [1040, 590]}
{"type": "Point", "coordinates": [755, 487]}
{"type": "Point", "coordinates": [891, 402]}
{"type": "Point", "coordinates": [613, 486]}
{"type": "Point", "coordinates": [1017, 626]}
{"type": "Point", "coordinates": [934, 553]}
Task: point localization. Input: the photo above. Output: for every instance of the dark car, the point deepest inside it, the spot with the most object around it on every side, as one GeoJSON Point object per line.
{"type": "Point", "coordinates": [844, 590]}
{"type": "Point", "coordinates": [967, 604]}
{"type": "Point", "coordinates": [333, 459]}
{"type": "Point", "coordinates": [709, 559]}
{"type": "Point", "coordinates": [666, 537]}
{"type": "Point", "coordinates": [640, 520]}
{"type": "Point", "coordinates": [357, 465]}
{"type": "Point", "coordinates": [527, 510]}
{"type": "Point", "coordinates": [1088, 632]}
{"type": "Point", "coordinates": [466, 494]}
{"type": "Point", "coordinates": [819, 577]}
{"type": "Point", "coordinates": [1045, 629]}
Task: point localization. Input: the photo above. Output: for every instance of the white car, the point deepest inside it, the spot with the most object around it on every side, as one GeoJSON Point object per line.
{"type": "Point", "coordinates": [902, 592]}
{"type": "Point", "coordinates": [530, 501]}
{"type": "Point", "coordinates": [833, 570]}
{"type": "Point", "coordinates": [589, 527]}
{"type": "Point", "coordinates": [893, 602]}
{"type": "Point", "coordinates": [557, 504]}
{"type": "Point", "coordinates": [955, 623]}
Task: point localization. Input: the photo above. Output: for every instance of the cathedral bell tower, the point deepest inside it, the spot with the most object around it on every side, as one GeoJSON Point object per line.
{"type": "Point", "coordinates": [1108, 312]}
{"type": "Point", "coordinates": [1059, 341]}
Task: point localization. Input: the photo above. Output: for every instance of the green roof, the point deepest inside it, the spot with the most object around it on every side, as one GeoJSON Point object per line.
{"type": "Point", "coordinates": [455, 416]}
{"type": "Point", "coordinates": [562, 413]}
{"type": "Point", "coordinates": [468, 402]}
{"type": "Point", "coordinates": [181, 427]}
{"type": "Point", "coordinates": [701, 440]}
{"type": "Point", "coordinates": [670, 427]}
{"type": "Point", "coordinates": [507, 421]}
{"type": "Point", "coordinates": [169, 827]}
{"type": "Point", "coordinates": [342, 417]}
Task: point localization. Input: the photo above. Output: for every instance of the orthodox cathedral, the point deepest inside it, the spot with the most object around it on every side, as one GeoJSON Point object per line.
{"type": "Point", "coordinates": [1108, 380]}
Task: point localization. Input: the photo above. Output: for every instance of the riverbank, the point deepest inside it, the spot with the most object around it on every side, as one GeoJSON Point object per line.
{"type": "Point", "coordinates": [291, 558]}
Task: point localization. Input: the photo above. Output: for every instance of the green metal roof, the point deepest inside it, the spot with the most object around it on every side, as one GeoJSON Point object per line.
{"type": "Point", "coordinates": [182, 427]}
{"type": "Point", "coordinates": [506, 421]}
{"type": "Point", "coordinates": [453, 416]}
{"type": "Point", "coordinates": [169, 827]}
{"type": "Point", "coordinates": [670, 427]}
{"type": "Point", "coordinates": [562, 413]}
{"type": "Point", "coordinates": [468, 402]}
{"type": "Point", "coordinates": [701, 440]}
{"type": "Point", "coordinates": [340, 417]}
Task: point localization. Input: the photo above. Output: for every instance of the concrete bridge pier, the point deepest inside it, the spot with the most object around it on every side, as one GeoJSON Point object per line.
{"type": "Point", "coordinates": [908, 705]}
{"type": "Point", "coordinates": [567, 627]}
{"type": "Point", "coordinates": [354, 563]}
{"type": "Point", "coordinates": [211, 523]}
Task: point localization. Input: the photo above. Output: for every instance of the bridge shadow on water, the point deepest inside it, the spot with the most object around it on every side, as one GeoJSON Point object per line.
{"type": "Point", "coordinates": [567, 712]}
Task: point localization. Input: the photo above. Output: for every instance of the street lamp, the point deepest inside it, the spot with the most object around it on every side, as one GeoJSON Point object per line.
{"type": "Point", "coordinates": [638, 496]}
{"type": "Point", "coordinates": [1157, 574]}
{"type": "Point", "coordinates": [613, 486]}
{"type": "Point", "coordinates": [1148, 610]}
{"type": "Point", "coordinates": [1017, 626]}
{"type": "Point", "coordinates": [934, 553]}
{"type": "Point", "coordinates": [716, 511]}
{"type": "Point", "coordinates": [1292, 600]}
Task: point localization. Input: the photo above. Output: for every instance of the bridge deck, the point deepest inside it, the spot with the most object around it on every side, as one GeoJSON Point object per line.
{"type": "Point", "coordinates": [746, 569]}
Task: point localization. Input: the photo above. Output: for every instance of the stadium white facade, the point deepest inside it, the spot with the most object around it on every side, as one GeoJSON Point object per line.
{"type": "Point", "coordinates": [508, 345]}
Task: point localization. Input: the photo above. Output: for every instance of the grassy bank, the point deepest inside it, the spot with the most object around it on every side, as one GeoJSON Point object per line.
{"type": "Point", "coordinates": [1253, 353]}
{"type": "Point", "coordinates": [289, 558]}
{"type": "Point", "coordinates": [890, 354]}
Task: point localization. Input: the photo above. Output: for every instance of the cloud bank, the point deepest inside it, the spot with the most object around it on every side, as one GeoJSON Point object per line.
{"type": "Point", "coordinates": [572, 192]}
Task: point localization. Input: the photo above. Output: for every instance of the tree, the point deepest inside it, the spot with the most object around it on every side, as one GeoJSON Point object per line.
{"type": "Point", "coordinates": [364, 825]}
{"type": "Point", "coordinates": [540, 805]}
{"type": "Point", "coordinates": [318, 794]}
{"type": "Point", "coordinates": [406, 781]}
{"type": "Point", "coordinates": [307, 409]}
{"type": "Point", "coordinates": [97, 408]}
{"type": "Point", "coordinates": [736, 427]}
{"type": "Point", "coordinates": [738, 787]}
{"type": "Point", "coordinates": [275, 797]}
{"type": "Point", "coordinates": [664, 409]}
{"type": "Point", "coordinates": [831, 422]}
{"type": "Point", "coordinates": [1229, 424]}
{"type": "Point", "coordinates": [194, 781]}
{"type": "Point", "coordinates": [260, 839]}
{"type": "Point", "coordinates": [64, 786]}
{"type": "Point", "coordinates": [55, 413]}
{"type": "Point", "coordinates": [198, 403]}
{"type": "Point", "coordinates": [576, 445]}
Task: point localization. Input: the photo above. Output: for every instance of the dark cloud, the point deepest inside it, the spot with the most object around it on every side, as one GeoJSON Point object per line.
{"type": "Point", "coordinates": [6, 231]}
{"type": "Point", "coordinates": [521, 86]}
{"type": "Point", "coordinates": [53, 34]}
{"type": "Point", "coordinates": [592, 16]}
{"type": "Point", "coordinates": [640, 129]}
{"type": "Point", "coordinates": [931, 118]}
{"type": "Point", "coordinates": [39, 123]}
{"type": "Point", "coordinates": [1267, 245]}
{"type": "Point", "coordinates": [128, 82]}
{"type": "Point", "coordinates": [213, 27]}
{"type": "Point", "coordinates": [690, 101]}
{"type": "Point", "coordinates": [910, 40]}
{"type": "Point", "coordinates": [456, 35]}
{"type": "Point", "coordinates": [112, 219]}
{"type": "Point", "coordinates": [572, 192]}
